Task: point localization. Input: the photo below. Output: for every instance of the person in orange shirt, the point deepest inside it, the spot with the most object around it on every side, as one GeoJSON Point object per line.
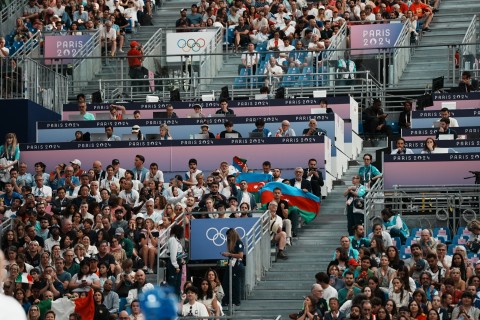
{"type": "Point", "coordinates": [423, 13]}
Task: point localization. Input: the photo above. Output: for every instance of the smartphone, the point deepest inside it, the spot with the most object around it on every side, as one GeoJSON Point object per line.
{"type": "Point", "coordinates": [156, 234]}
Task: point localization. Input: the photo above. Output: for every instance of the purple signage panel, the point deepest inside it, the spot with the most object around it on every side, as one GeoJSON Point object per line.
{"type": "Point", "coordinates": [370, 37]}
{"type": "Point", "coordinates": [63, 47]}
{"type": "Point", "coordinates": [173, 155]}
{"type": "Point", "coordinates": [463, 100]}
{"type": "Point", "coordinates": [429, 169]}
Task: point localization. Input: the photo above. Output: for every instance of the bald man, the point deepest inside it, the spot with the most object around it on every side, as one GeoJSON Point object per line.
{"type": "Point", "coordinates": [11, 309]}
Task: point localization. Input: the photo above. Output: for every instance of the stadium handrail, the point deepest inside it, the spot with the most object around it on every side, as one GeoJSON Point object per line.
{"type": "Point", "coordinates": [401, 55]}
{"type": "Point", "coordinates": [31, 48]}
{"type": "Point", "coordinates": [468, 46]}
{"type": "Point", "coordinates": [84, 70]}
{"type": "Point", "coordinates": [257, 246]}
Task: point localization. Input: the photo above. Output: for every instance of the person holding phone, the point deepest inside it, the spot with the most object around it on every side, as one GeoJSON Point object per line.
{"type": "Point", "coordinates": [375, 122]}
{"type": "Point", "coordinates": [149, 245]}
{"type": "Point", "coordinates": [235, 253]}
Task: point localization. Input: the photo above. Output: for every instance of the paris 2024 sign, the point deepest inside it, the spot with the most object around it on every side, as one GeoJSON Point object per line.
{"type": "Point", "coordinates": [368, 38]}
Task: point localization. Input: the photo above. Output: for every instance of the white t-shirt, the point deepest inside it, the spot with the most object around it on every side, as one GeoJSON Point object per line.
{"type": "Point", "coordinates": [11, 309]}
{"type": "Point", "coordinates": [198, 309]}
{"type": "Point", "coordinates": [330, 292]}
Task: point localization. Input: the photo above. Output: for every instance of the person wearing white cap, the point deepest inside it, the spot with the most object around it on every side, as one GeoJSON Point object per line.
{"type": "Point", "coordinates": [77, 170]}
{"type": "Point", "coordinates": [136, 130]}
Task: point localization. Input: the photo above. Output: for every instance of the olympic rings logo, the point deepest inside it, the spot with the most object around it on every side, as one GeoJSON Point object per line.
{"type": "Point", "coordinates": [219, 238]}
{"type": "Point", "coordinates": [191, 44]}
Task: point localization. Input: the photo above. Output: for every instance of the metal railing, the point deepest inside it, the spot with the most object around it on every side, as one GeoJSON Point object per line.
{"type": "Point", "coordinates": [45, 86]}
{"type": "Point", "coordinates": [31, 48]}
{"type": "Point", "coordinates": [86, 69]}
{"type": "Point", "coordinates": [425, 206]}
{"type": "Point", "coordinates": [401, 54]}
{"type": "Point", "coordinates": [257, 248]}
{"type": "Point", "coordinates": [9, 14]}
{"type": "Point", "coordinates": [279, 317]}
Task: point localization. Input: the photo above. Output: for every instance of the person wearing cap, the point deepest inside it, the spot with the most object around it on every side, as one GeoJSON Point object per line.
{"type": "Point", "coordinates": [229, 129]}
{"type": "Point", "coordinates": [135, 58]}
{"type": "Point", "coordinates": [136, 130]}
{"type": "Point", "coordinates": [183, 20]}
{"type": "Point", "coordinates": [197, 112]}
{"type": "Point", "coordinates": [125, 242]}
{"type": "Point", "coordinates": [54, 238]}
{"type": "Point", "coordinates": [204, 129]}
{"type": "Point", "coordinates": [77, 170]}
{"type": "Point", "coordinates": [194, 17]}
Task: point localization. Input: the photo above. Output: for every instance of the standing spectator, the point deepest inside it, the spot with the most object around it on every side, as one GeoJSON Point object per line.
{"type": "Point", "coordinates": [135, 58]}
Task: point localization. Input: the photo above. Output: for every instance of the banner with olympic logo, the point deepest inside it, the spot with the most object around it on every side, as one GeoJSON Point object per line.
{"type": "Point", "coordinates": [208, 236]}
{"type": "Point", "coordinates": [188, 43]}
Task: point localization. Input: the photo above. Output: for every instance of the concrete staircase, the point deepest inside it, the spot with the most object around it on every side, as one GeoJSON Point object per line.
{"type": "Point", "coordinates": [448, 27]}
{"type": "Point", "coordinates": [288, 281]}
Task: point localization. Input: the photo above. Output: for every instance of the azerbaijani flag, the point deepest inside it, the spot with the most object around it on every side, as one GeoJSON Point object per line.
{"type": "Point", "coordinates": [307, 203]}
{"type": "Point", "coordinates": [255, 180]}
{"type": "Point", "coordinates": [239, 163]}
{"type": "Point", "coordinates": [24, 277]}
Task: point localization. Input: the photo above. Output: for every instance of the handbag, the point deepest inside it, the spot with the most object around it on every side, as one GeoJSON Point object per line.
{"type": "Point", "coordinates": [358, 206]}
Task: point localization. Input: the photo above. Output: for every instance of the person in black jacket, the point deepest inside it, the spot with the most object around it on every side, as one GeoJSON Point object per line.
{"type": "Point", "coordinates": [299, 182]}
{"type": "Point", "coordinates": [101, 311]}
{"type": "Point", "coordinates": [405, 117]}
{"type": "Point", "coordinates": [315, 177]}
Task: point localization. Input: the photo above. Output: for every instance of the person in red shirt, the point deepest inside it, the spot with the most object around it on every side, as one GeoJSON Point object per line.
{"type": "Point", "coordinates": [423, 13]}
{"type": "Point", "coordinates": [135, 58]}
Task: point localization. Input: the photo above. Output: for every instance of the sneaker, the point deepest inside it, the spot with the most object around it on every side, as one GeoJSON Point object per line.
{"type": "Point", "coordinates": [145, 268]}
{"type": "Point", "coordinates": [120, 50]}
{"type": "Point", "coordinates": [289, 242]}
{"type": "Point", "coordinates": [281, 255]}
{"type": "Point", "coordinates": [427, 29]}
{"type": "Point", "coordinates": [149, 271]}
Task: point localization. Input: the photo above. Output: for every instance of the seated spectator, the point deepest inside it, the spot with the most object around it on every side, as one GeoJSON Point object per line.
{"type": "Point", "coordinates": [261, 36]}
{"type": "Point", "coordinates": [275, 43]}
{"type": "Point", "coordinates": [31, 11]}
{"type": "Point", "coordinates": [224, 109]}
{"type": "Point", "coordinates": [312, 129]}
{"type": "Point", "coordinates": [323, 280]}
{"type": "Point", "coordinates": [445, 129]}
{"type": "Point", "coordinates": [260, 127]}
{"type": "Point", "coordinates": [250, 59]}
{"type": "Point", "coordinates": [285, 130]}
{"type": "Point", "coordinates": [466, 84]}
{"type": "Point", "coordinates": [445, 114]}
{"type": "Point", "coordinates": [298, 56]}
{"type": "Point", "coordinates": [241, 33]}
{"type": "Point", "coordinates": [423, 12]}
{"type": "Point", "coordinates": [273, 72]}
{"type": "Point", "coordinates": [109, 39]}
{"type": "Point", "coordinates": [197, 112]}
{"type": "Point", "coordinates": [119, 32]}
{"type": "Point", "coordinates": [374, 120]}
{"type": "Point", "coordinates": [4, 51]}
{"type": "Point", "coordinates": [400, 144]}
{"type": "Point", "coordinates": [21, 32]}
{"type": "Point", "coordinates": [394, 224]}
{"type": "Point", "coordinates": [377, 231]}
{"type": "Point", "coordinates": [229, 130]}
{"type": "Point", "coordinates": [277, 234]}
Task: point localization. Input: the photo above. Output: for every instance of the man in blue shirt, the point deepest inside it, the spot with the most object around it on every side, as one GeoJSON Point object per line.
{"type": "Point", "coordinates": [195, 17]}
{"type": "Point", "coordinates": [9, 195]}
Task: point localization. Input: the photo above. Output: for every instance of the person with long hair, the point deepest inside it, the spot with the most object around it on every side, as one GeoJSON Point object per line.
{"type": "Point", "coordinates": [394, 258]}
{"type": "Point", "coordinates": [383, 314]}
{"type": "Point", "coordinates": [309, 308]}
{"type": "Point", "coordinates": [149, 245]}
{"type": "Point", "coordinates": [235, 253]}
{"type": "Point", "coordinates": [398, 294]}
{"type": "Point", "coordinates": [101, 311]}
{"type": "Point", "coordinates": [104, 273]}
{"type": "Point", "coordinates": [164, 132]}
{"type": "Point", "coordinates": [212, 276]}
{"type": "Point", "coordinates": [416, 311]}
{"type": "Point", "coordinates": [9, 155]}
{"type": "Point", "coordinates": [466, 310]}
{"type": "Point", "coordinates": [408, 282]}
{"type": "Point", "coordinates": [391, 308]}
{"type": "Point", "coordinates": [421, 298]}
{"type": "Point", "coordinates": [9, 239]}
{"type": "Point", "coordinates": [175, 261]}
{"type": "Point", "coordinates": [459, 283]}
{"type": "Point", "coordinates": [458, 261]}
{"type": "Point", "coordinates": [384, 273]}
{"type": "Point", "coordinates": [20, 296]}
{"type": "Point", "coordinates": [340, 259]}
{"type": "Point", "coordinates": [376, 248]}
{"type": "Point", "coordinates": [429, 146]}
{"type": "Point", "coordinates": [209, 299]}
{"type": "Point", "coordinates": [33, 313]}
{"type": "Point", "coordinates": [84, 280]}
{"type": "Point", "coordinates": [91, 250]}
{"type": "Point", "coordinates": [336, 280]}
{"type": "Point", "coordinates": [374, 284]}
